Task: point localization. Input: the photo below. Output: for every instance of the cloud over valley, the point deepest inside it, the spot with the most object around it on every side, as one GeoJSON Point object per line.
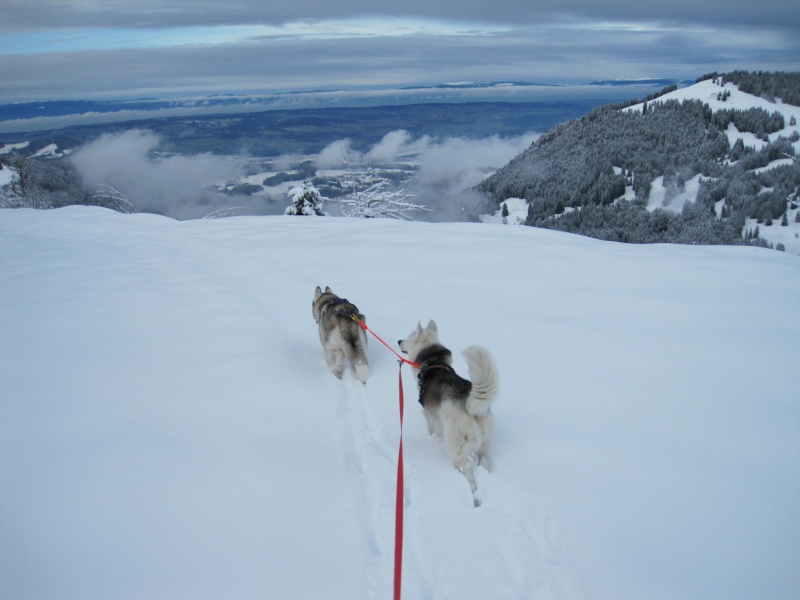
{"type": "Point", "coordinates": [437, 171]}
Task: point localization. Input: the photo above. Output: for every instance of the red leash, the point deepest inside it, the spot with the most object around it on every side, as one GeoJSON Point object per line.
{"type": "Point", "coordinates": [398, 514]}
{"type": "Point", "coordinates": [377, 337]}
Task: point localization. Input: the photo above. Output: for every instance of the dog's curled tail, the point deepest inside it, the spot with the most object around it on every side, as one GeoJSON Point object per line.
{"type": "Point", "coordinates": [485, 380]}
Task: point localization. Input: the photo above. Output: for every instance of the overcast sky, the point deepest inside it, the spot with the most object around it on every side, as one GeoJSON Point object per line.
{"type": "Point", "coordinates": [96, 49]}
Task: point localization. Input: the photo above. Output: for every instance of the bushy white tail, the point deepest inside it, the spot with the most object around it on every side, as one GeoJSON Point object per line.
{"type": "Point", "coordinates": [485, 380]}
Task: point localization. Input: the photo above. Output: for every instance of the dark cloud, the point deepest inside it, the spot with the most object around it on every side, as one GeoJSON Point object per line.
{"type": "Point", "coordinates": [283, 65]}
{"type": "Point", "coordinates": [564, 41]}
{"type": "Point", "coordinates": [25, 14]}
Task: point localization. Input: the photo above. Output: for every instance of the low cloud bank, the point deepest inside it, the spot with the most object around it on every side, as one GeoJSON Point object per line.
{"type": "Point", "coordinates": [186, 187]}
{"type": "Point", "coordinates": [176, 186]}
{"type": "Point", "coordinates": [447, 167]}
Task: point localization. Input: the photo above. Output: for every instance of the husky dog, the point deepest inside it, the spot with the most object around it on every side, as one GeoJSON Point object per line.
{"type": "Point", "coordinates": [459, 410]}
{"type": "Point", "coordinates": [342, 337]}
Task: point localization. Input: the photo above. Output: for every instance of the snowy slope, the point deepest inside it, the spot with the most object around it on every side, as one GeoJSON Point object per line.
{"type": "Point", "coordinates": [168, 427]}
{"type": "Point", "coordinates": [709, 92]}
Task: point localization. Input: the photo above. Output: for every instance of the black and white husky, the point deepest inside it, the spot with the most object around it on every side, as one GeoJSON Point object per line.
{"type": "Point", "coordinates": [458, 410]}
{"type": "Point", "coordinates": [341, 336]}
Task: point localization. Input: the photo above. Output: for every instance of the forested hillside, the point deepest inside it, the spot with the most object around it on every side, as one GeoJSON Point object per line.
{"type": "Point", "coordinates": [594, 175]}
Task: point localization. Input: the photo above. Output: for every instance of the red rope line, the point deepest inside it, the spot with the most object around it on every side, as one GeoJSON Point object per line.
{"type": "Point", "coordinates": [398, 518]}
{"type": "Point", "coordinates": [377, 337]}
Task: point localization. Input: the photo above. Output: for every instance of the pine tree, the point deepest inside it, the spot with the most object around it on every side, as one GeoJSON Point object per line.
{"type": "Point", "coordinates": [306, 200]}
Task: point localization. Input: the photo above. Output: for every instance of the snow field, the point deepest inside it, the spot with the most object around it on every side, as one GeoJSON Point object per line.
{"type": "Point", "coordinates": [169, 428]}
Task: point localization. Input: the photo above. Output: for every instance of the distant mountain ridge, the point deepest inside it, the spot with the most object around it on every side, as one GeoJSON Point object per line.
{"type": "Point", "coordinates": [596, 175]}
{"type": "Point", "coordinates": [660, 82]}
{"type": "Point", "coordinates": [476, 85]}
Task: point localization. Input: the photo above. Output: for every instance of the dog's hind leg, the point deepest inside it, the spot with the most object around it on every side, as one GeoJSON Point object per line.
{"type": "Point", "coordinates": [467, 470]}
{"type": "Point", "coordinates": [336, 362]}
{"type": "Point", "coordinates": [361, 371]}
{"type": "Point", "coordinates": [462, 440]}
{"type": "Point", "coordinates": [486, 424]}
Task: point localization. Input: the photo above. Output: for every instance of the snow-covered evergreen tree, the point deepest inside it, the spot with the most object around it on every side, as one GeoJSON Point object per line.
{"type": "Point", "coordinates": [306, 200]}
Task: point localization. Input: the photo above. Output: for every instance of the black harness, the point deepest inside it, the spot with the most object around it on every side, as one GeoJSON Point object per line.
{"type": "Point", "coordinates": [344, 308]}
{"type": "Point", "coordinates": [438, 358]}
{"type": "Point", "coordinates": [424, 371]}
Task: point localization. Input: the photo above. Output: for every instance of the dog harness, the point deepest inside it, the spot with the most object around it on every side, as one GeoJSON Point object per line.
{"type": "Point", "coordinates": [424, 370]}
{"type": "Point", "coordinates": [344, 308]}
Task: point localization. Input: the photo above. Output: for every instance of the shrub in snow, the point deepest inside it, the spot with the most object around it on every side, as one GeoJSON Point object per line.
{"type": "Point", "coordinates": [372, 198]}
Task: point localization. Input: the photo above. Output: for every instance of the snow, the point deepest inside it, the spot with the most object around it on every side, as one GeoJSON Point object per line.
{"type": "Point", "coordinates": [775, 163]}
{"type": "Point", "coordinates": [658, 195]}
{"type": "Point", "coordinates": [6, 175]}
{"type": "Point", "coordinates": [50, 150]}
{"type": "Point", "coordinates": [9, 148]}
{"type": "Point", "coordinates": [788, 235]}
{"type": "Point", "coordinates": [169, 428]}
{"type": "Point", "coordinates": [517, 213]}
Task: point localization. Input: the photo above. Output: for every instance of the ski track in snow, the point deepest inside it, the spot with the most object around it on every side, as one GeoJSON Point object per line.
{"type": "Point", "coordinates": [369, 460]}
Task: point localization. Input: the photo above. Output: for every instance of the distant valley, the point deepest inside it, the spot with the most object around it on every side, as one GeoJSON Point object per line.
{"type": "Point", "coordinates": [307, 131]}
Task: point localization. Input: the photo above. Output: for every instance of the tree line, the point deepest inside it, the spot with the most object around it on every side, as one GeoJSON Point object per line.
{"type": "Point", "coordinates": [771, 86]}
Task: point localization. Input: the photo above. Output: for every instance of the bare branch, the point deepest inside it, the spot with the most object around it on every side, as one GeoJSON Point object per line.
{"type": "Point", "coordinates": [221, 213]}
{"type": "Point", "coordinates": [115, 199]}
{"type": "Point", "coordinates": [371, 198]}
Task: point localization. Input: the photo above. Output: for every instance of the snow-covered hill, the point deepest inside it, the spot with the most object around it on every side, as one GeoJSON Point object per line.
{"type": "Point", "coordinates": [169, 429]}
{"type": "Point", "coordinates": [719, 96]}
{"type": "Point", "coordinates": [614, 155]}
{"type": "Point", "coordinates": [722, 96]}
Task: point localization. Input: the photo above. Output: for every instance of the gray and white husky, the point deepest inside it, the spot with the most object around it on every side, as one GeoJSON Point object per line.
{"type": "Point", "coordinates": [458, 410]}
{"type": "Point", "coordinates": [341, 336]}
